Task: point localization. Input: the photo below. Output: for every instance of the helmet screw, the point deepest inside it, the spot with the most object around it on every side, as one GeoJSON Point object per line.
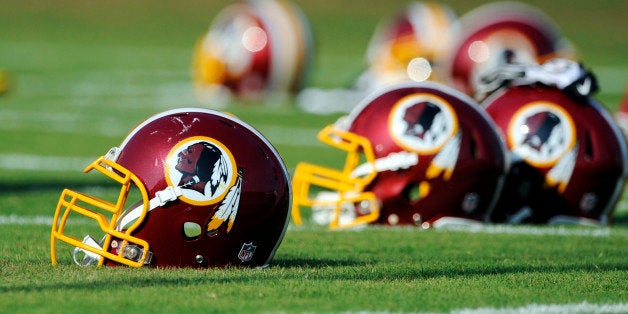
{"type": "Point", "coordinates": [393, 219]}
{"type": "Point", "coordinates": [417, 218]}
{"type": "Point", "coordinates": [199, 259]}
{"type": "Point", "coordinates": [131, 252]}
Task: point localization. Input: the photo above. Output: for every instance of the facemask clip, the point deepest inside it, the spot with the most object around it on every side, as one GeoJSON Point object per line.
{"type": "Point", "coordinates": [84, 257]}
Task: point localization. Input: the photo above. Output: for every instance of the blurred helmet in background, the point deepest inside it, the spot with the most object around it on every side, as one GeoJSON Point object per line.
{"type": "Point", "coordinates": [411, 45]}
{"type": "Point", "coordinates": [621, 116]}
{"type": "Point", "coordinates": [499, 33]}
{"type": "Point", "coordinates": [416, 154]}
{"type": "Point", "coordinates": [253, 49]}
{"type": "Point", "coordinates": [198, 188]}
{"type": "Point", "coordinates": [569, 161]}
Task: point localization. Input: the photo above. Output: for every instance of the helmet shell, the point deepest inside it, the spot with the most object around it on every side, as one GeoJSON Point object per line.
{"type": "Point", "coordinates": [461, 157]}
{"type": "Point", "coordinates": [569, 158]}
{"type": "Point", "coordinates": [154, 152]}
{"type": "Point", "coordinates": [503, 32]}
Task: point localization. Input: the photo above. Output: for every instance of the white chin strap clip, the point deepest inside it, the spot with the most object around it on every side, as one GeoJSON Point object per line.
{"type": "Point", "coordinates": [84, 257]}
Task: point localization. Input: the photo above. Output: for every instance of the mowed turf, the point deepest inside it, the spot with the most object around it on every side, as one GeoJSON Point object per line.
{"type": "Point", "coordinates": [84, 73]}
{"type": "Point", "coordinates": [316, 270]}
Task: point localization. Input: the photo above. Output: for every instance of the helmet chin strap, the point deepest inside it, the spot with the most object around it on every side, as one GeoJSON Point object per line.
{"type": "Point", "coordinates": [169, 194]}
{"type": "Point", "coordinates": [84, 257]}
{"type": "Point", "coordinates": [162, 197]}
{"type": "Point", "coordinates": [566, 75]}
{"type": "Point", "coordinates": [88, 258]}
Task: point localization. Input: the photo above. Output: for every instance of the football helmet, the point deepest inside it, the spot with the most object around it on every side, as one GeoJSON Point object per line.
{"type": "Point", "coordinates": [621, 116]}
{"type": "Point", "coordinates": [253, 48]}
{"type": "Point", "coordinates": [416, 154]}
{"type": "Point", "coordinates": [211, 191]}
{"type": "Point", "coordinates": [569, 161]}
{"type": "Point", "coordinates": [503, 32]}
{"type": "Point", "coordinates": [410, 45]}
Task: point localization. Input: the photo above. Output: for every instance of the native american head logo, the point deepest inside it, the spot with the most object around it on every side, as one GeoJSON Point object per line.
{"type": "Point", "coordinates": [541, 133]}
{"type": "Point", "coordinates": [422, 123]}
{"type": "Point", "coordinates": [203, 168]}
{"type": "Point", "coordinates": [206, 172]}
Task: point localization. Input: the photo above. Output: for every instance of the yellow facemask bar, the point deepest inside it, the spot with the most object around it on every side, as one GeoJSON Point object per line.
{"type": "Point", "coordinates": [350, 188]}
{"type": "Point", "coordinates": [133, 251]}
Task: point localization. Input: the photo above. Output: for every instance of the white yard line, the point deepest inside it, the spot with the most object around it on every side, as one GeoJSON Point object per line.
{"type": "Point", "coordinates": [537, 230]}
{"type": "Point", "coordinates": [541, 230]}
{"type": "Point", "coordinates": [35, 162]}
{"type": "Point", "coordinates": [15, 220]}
{"type": "Point", "coordinates": [40, 220]}
{"type": "Point", "coordinates": [584, 307]}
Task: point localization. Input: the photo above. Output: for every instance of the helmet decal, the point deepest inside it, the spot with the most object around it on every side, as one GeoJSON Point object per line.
{"type": "Point", "coordinates": [422, 123]}
{"type": "Point", "coordinates": [247, 251]}
{"type": "Point", "coordinates": [541, 133]}
{"type": "Point", "coordinates": [203, 168]}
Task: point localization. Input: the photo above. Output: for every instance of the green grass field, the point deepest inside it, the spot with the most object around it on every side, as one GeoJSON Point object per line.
{"type": "Point", "coordinates": [83, 73]}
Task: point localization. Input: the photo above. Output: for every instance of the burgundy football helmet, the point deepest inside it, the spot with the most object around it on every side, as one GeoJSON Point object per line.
{"type": "Point", "coordinates": [410, 45]}
{"type": "Point", "coordinates": [211, 191]}
{"type": "Point", "coordinates": [621, 115]}
{"type": "Point", "coordinates": [503, 32]}
{"type": "Point", "coordinates": [569, 161]}
{"type": "Point", "coordinates": [417, 154]}
{"type": "Point", "coordinates": [253, 48]}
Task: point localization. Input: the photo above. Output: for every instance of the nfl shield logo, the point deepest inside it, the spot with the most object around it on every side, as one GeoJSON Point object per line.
{"type": "Point", "coordinates": [246, 252]}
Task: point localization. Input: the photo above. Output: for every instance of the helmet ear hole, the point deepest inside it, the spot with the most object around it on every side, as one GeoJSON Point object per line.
{"type": "Point", "coordinates": [588, 148]}
{"type": "Point", "coordinates": [191, 230]}
{"type": "Point", "coordinates": [473, 149]}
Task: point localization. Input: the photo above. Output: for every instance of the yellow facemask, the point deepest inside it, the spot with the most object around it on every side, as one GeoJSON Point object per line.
{"type": "Point", "coordinates": [132, 251]}
{"type": "Point", "coordinates": [346, 185]}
